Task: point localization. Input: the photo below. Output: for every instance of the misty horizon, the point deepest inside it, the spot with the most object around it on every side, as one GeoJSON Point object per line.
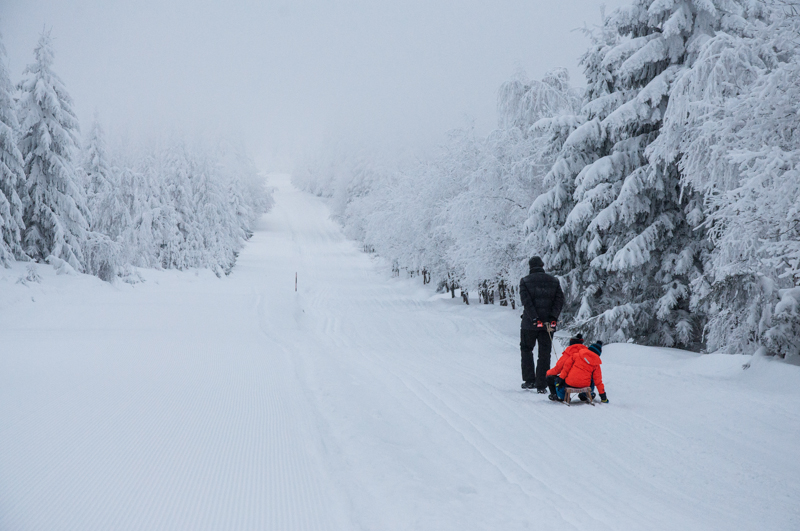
{"type": "Point", "coordinates": [292, 78]}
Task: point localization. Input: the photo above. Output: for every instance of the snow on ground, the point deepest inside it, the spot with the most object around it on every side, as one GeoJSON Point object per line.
{"type": "Point", "coordinates": [358, 402]}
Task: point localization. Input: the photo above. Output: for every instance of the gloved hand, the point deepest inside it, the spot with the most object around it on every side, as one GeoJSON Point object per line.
{"type": "Point", "coordinates": [539, 324]}
{"type": "Point", "coordinates": [559, 381]}
{"type": "Point", "coordinates": [553, 324]}
{"type": "Point", "coordinates": [603, 398]}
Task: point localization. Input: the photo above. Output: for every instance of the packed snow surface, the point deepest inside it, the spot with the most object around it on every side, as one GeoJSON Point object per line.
{"type": "Point", "coordinates": [360, 401]}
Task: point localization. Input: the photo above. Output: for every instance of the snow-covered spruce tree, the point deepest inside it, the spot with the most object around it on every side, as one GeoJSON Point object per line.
{"type": "Point", "coordinates": [734, 129]}
{"type": "Point", "coordinates": [11, 172]}
{"type": "Point", "coordinates": [54, 201]}
{"type": "Point", "coordinates": [485, 220]}
{"type": "Point", "coordinates": [100, 183]}
{"type": "Point", "coordinates": [222, 234]}
{"type": "Point", "coordinates": [144, 203]}
{"type": "Point", "coordinates": [180, 243]}
{"type": "Point", "coordinates": [190, 207]}
{"type": "Point", "coordinates": [109, 219]}
{"type": "Point", "coordinates": [617, 223]}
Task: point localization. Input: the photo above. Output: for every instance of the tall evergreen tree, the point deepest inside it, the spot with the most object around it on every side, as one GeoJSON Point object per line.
{"type": "Point", "coordinates": [734, 128]}
{"type": "Point", "coordinates": [617, 222]}
{"type": "Point", "coordinates": [182, 238]}
{"type": "Point", "coordinates": [108, 216]}
{"type": "Point", "coordinates": [54, 199]}
{"type": "Point", "coordinates": [107, 211]}
{"type": "Point", "coordinates": [142, 200]}
{"type": "Point", "coordinates": [11, 172]}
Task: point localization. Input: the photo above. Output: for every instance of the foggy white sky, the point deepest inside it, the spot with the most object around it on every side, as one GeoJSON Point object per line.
{"type": "Point", "coordinates": [289, 76]}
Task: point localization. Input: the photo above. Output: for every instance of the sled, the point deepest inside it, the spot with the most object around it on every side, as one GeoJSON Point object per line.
{"type": "Point", "coordinates": [568, 391]}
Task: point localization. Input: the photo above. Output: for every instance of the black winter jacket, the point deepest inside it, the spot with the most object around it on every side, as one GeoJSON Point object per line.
{"type": "Point", "coordinates": [542, 298]}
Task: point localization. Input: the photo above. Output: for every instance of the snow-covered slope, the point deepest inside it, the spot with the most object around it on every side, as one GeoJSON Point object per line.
{"type": "Point", "coordinates": [358, 402]}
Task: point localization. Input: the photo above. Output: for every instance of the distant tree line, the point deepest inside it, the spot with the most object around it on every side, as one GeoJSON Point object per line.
{"type": "Point", "coordinates": [70, 203]}
{"type": "Point", "coordinates": [666, 195]}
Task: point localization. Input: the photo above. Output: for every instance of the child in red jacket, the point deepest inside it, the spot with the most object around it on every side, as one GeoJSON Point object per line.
{"type": "Point", "coordinates": [583, 370]}
{"type": "Point", "coordinates": [578, 366]}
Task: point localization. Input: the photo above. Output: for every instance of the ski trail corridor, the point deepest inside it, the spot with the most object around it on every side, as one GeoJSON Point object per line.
{"type": "Point", "coordinates": [361, 401]}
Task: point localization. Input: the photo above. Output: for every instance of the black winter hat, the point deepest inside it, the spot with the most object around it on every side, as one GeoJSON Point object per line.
{"type": "Point", "coordinates": [597, 348]}
{"type": "Point", "coordinates": [577, 340]}
{"type": "Point", "coordinates": [536, 262]}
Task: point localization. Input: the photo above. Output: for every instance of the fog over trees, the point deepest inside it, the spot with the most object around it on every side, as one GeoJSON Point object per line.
{"type": "Point", "coordinates": [664, 195]}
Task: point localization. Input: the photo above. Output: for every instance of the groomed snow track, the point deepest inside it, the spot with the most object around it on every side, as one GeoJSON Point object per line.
{"type": "Point", "coordinates": [358, 402]}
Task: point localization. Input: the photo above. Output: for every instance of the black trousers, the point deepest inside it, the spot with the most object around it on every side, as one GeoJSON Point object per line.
{"type": "Point", "coordinates": [530, 372]}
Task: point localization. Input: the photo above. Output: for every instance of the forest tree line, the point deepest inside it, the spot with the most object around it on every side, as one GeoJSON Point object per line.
{"type": "Point", "coordinates": [69, 202]}
{"type": "Point", "coordinates": [665, 194]}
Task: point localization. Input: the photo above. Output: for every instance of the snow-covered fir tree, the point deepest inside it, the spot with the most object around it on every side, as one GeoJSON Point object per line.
{"type": "Point", "coordinates": [54, 201]}
{"type": "Point", "coordinates": [101, 184]}
{"type": "Point", "coordinates": [109, 219]}
{"type": "Point", "coordinates": [222, 236]}
{"type": "Point", "coordinates": [143, 202]}
{"type": "Point", "coordinates": [186, 207]}
{"type": "Point", "coordinates": [617, 223]}
{"type": "Point", "coordinates": [733, 127]}
{"type": "Point", "coordinates": [11, 173]}
{"type": "Point", "coordinates": [184, 238]}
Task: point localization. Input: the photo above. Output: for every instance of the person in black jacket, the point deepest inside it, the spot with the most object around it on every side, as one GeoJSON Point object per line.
{"type": "Point", "coordinates": [542, 299]}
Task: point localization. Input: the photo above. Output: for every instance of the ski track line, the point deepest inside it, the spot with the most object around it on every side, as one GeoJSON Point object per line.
{"type": "Point", "coordinates": [493, 454]}
{"type": "Point", "coordinates": [479, 443]}
{"type": "Point", "coordinates": [53, 462]}
{"type": "Point", "coordinates": [289, 349]}
{"type": "Point", "coordinates": [504, 460]}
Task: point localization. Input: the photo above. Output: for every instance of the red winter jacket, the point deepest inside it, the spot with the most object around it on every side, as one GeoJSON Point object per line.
{"type": "Point", "coordinates": [568, 353]}
{"type": "Point", "coordinates": [582, 368]}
